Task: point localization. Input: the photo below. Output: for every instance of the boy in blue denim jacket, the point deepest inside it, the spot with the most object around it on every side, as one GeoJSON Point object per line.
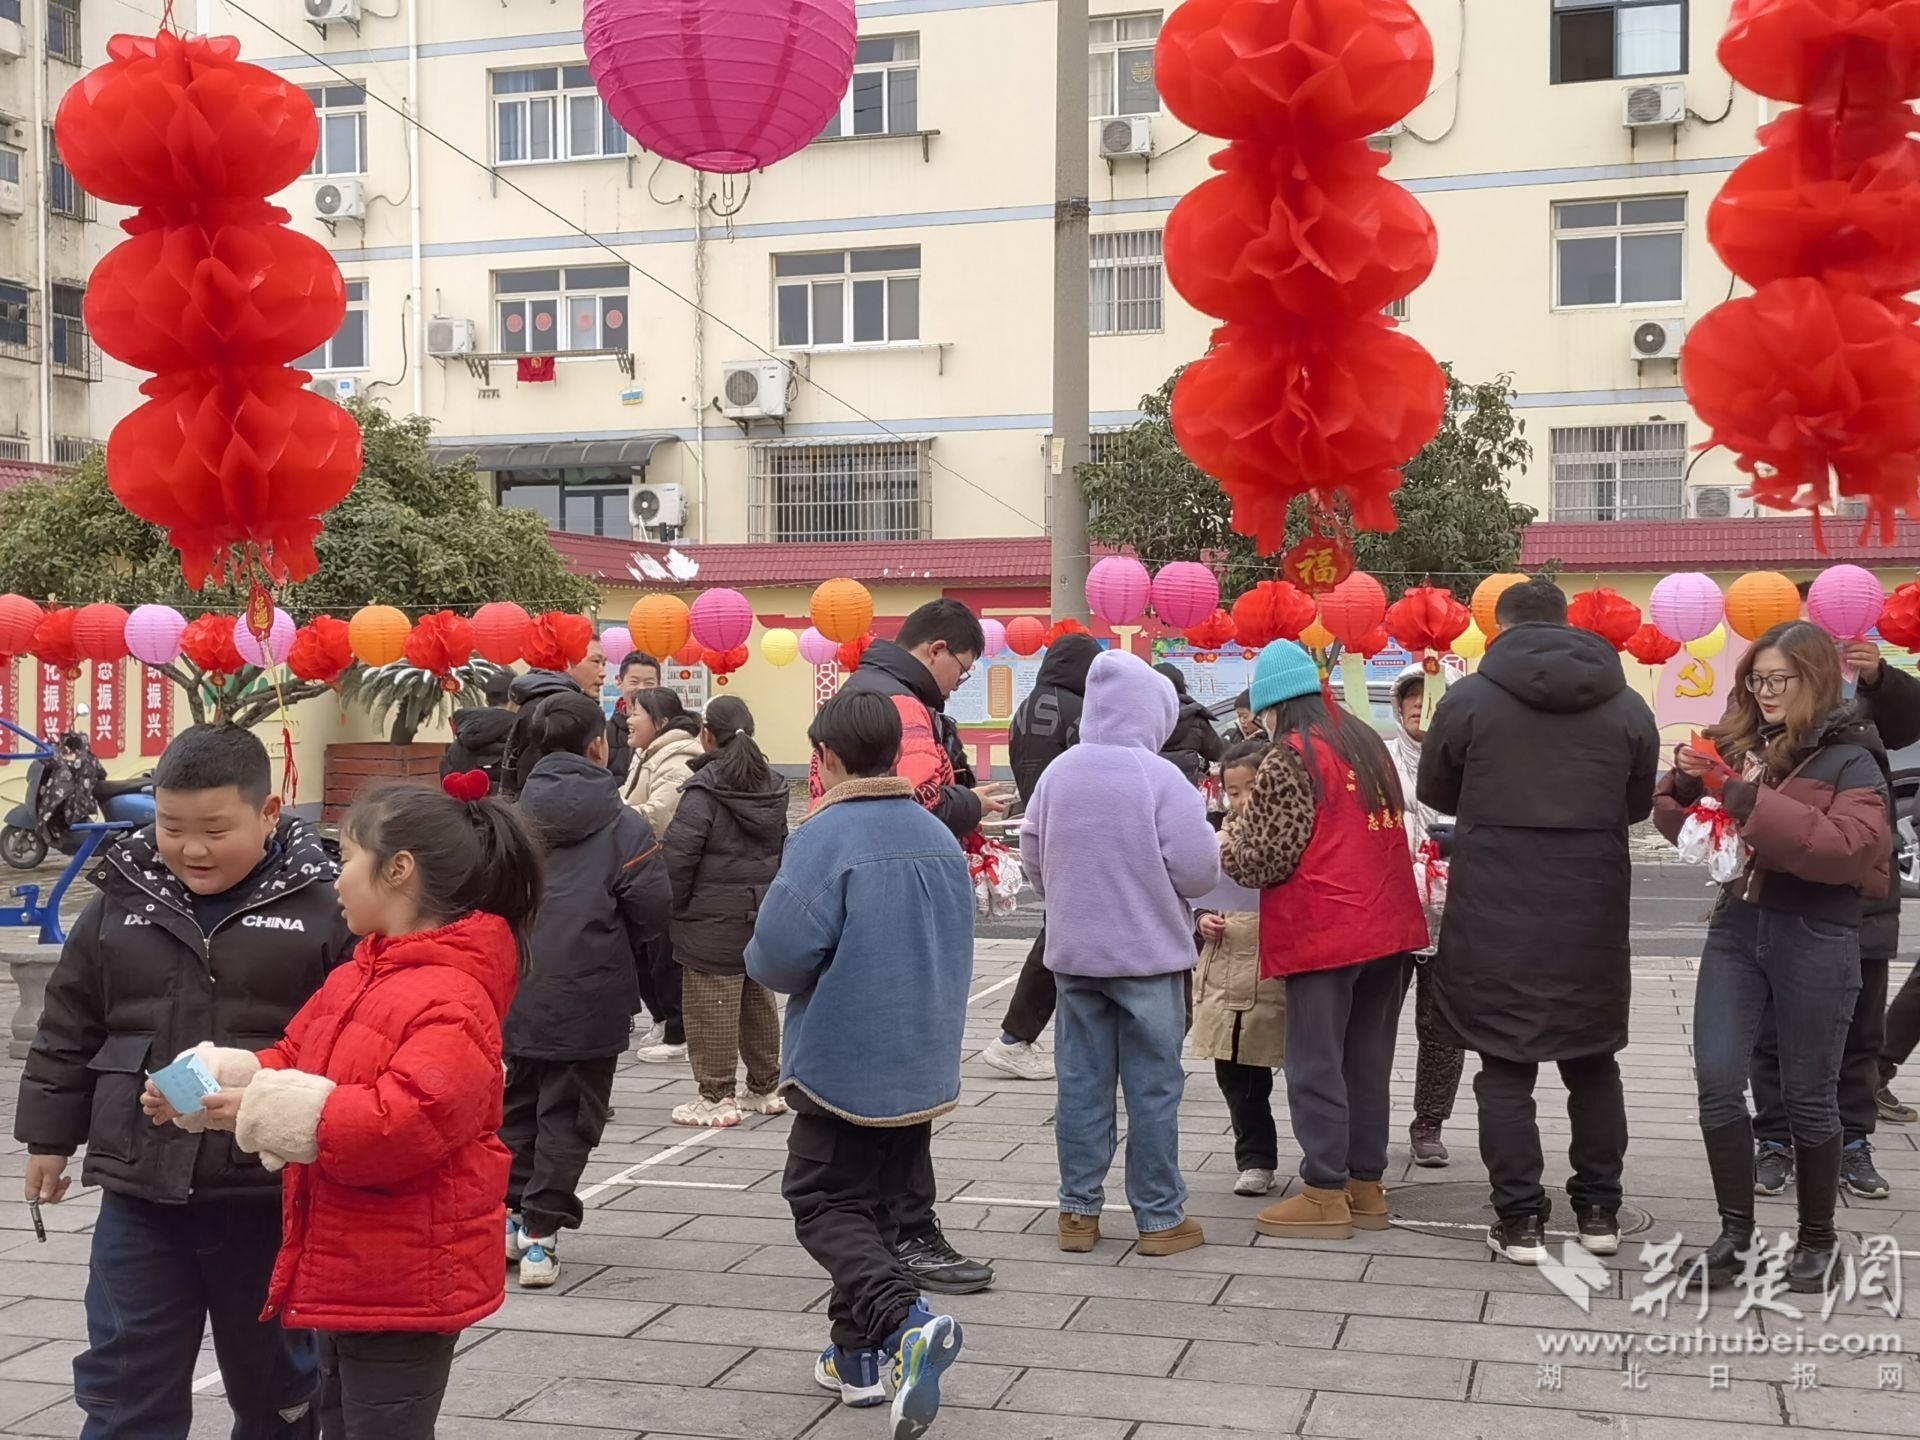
{"type": "Point", "coordinates": [868, 928]}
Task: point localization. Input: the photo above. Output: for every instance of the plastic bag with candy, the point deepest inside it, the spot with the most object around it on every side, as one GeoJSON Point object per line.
{"type": "Point", "coordinates": [1710, 838]}
{"type": "Point", "coordinates": [997, 879]}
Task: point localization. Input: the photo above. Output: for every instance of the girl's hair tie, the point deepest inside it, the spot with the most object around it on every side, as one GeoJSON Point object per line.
{"type": "Point", "coordinates": [467, 786]}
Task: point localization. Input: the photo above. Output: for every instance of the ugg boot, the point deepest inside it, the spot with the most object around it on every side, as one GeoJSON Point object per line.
{"type": "Point", "coordinates": [1730, 1162]}
{"type": "Point", "coordinates": [1367, 1199]}
{"type": "Point", "coordinates": [1313, 1214]}
{"type": "Point", "coordinates": [1174, 1239]}
{"type": "Point", "coordinates": [1078, 1233]}
{"type": "Point", "coordinates": [1819, 1184]}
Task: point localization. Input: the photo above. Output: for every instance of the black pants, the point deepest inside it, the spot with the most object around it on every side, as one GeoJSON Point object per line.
{"type": "Point", "coordinates": [1510, 1138]}
{"type": "Point", "coordinates": [1903, 1025]}
{"type": "Point", "coordinates": [1438, 1065]}
{"type": "Point", "coordinates": [1249, 1093]}
{"type": "Point", "coordinates": [555, 1111]}
{"type": "Point", "coordinates": [1859, 1065]}
{"type": "Point", "coordinates": [1341, 1026]}
{"type": "Point", "coordinates": [383, 1385]}
{"type": "Point", "coordinates": [1033, 994]}
{"type": "Point", "coordinates": [840, 1183]}
{"type": "Point", "coordinates": [660, 992]}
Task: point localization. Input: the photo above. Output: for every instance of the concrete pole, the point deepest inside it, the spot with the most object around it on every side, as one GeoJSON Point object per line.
{"type": "Point", "coordinates": [1070, 447]}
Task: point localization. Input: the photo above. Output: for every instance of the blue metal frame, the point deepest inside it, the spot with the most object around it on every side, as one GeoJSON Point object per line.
{"type": "Point", "coordinates": [31, 910]}
{"type": "Point", "coordinates": [41, 749]}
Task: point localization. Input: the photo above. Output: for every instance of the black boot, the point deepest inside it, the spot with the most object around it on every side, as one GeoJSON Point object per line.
{"type": "Point", "coordinates": [1819, 1184]}
{"type": "Point", "coordinates": [1730, 1161]}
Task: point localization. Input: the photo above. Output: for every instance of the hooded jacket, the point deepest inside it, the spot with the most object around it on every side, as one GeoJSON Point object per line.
{"type": "Point", "coordinates": [1547, 758]}
{"type": "Point", "coordinates": [1195, 746]}
{"type": "Point", "coordinates": [1891, 704]}
{"type": "Point", "coordinates": [607, 899]}
{"type": "Point", "coordinates": [723, 850]}
{"type": "Point", "coordinates": [479, 742]}
{"type": "Point", "coordinates": [658, 772]}
{"type": "Point", "coordinates": [527, 692]}
{"type": "Point", "coordinates": [138, 982]}
{"type": "Point", "coordinates": [1115, 840]}
{"type": "Point", "coordinates": [1405, 751]}
{"type": "Point", "coordinates": [1048, 720]}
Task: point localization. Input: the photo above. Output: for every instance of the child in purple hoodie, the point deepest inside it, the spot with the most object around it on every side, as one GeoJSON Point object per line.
{"type": "Point", "coordinates": [1116, 841]}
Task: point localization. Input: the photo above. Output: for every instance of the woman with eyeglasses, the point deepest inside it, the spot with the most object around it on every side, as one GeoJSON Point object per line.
{"type": "Point", "coordinates": [1801, 775]}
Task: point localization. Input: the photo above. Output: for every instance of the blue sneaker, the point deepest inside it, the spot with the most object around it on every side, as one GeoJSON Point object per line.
{"type": "Point", "coordinates": [516, 1240]}
{"type": "Point", "coordinates": [926, 1346]}
{"type": "Point", "coordinates": [854, 1373]}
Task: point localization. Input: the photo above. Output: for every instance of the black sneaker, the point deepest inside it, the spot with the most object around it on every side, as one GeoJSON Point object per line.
{"type": "Point", "coordinates": [1892, 1108]}
{"type": "Point", "coordinates": [1859, 1176]}
{"type": "Point", "coordinates": [1522, 1239]}
{"type": "Point", "coordinates": [940, 1268]}
{"type": "Point", "coordinates": [1599, 1231]}
{"type": "Point", "coordinates": [1772, 1168]}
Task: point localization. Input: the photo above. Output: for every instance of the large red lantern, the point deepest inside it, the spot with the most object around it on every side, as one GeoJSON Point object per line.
{"type": "Point", "coordinates": [100, 633]}
{"type": "Point", "coordinates": [53, 640]}
{"type": "Point", "coordinates": [1354, 608]}
{"type": "Point", "coordinates": [322, 650]}
{"type": "Point", "coordinates": [500, 632]}
{"type": "Point", "coordinates": [19, 618]}
{"type": "Point", "coordinates": [1272, 610]}
{"type": "Point", "coordinates": [557, 640]}
{"type": "Point", "coordinates": [208, 643]}
{"type": "Point", "coordinates": [1651, 646]}
{"type": "Point", "coordinates": [440, 643]}
{"type": "Point", "coordinates": [1607, 613]}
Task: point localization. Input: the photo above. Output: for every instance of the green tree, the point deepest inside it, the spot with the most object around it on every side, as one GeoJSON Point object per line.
{"type": "Point", "coordinates": [413, 533]}
{"type": "Point", "coordinates": [1457, 523]}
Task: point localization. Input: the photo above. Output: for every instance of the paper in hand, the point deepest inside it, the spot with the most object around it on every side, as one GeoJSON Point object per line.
{"type": "Point", "coordinates": [185, 1083]}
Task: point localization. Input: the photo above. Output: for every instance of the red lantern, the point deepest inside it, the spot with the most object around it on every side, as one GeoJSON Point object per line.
{"type": "Point", "coordinates": [849, 654]}
{"type": "Point", "coordinates": [1354, 608]}
{"type": "Point", "coordinates": [725, 662]}
{"type": "Point", "coordinates": [1272, 610]}
{"type": "Point", "coordinates": [440, 643]}
{"type": "Point", "coordinates": [1068, 626]}
{"type": "Point", "coordinates": [1427, 618]}
{"type": "Point", "coordinates": [1607, 614]}
{"type": "Point", "coordinates": [321, 650]}
{"type": "Point", "coordinates": [53, 640]}
{"type": "Point", "coordinates": [557, 640]}
{"type": "Point", "coordinates": [1025, 635]}
{"type": "Point", "coordinates": [691, 653]}
{"type": "Point", "coordinates": [100, 633]}
{"type": "Point", "coordinates": [1374, 641]}
{"type": "Point", "coordinates": [500, 632]}
{"type": "Point", "coordinates": [19, 618]}
{"type": "Point", "coordinates": [208, 643]}
{"type": "Point", "coordinates": [1318, 563]}
{"type": "Point", "coordinates": [1651, 646]}
{"type": "Point", "coordinates": [1215, 631]}
{"type": "Point", "coordinates": [1900, 620]}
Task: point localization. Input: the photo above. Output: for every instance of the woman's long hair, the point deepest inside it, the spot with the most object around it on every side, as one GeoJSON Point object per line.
{"type": "Point", "coordinates": [664, 709]}
{"type": "Point", "coordinates": [1744, 732]}
{"type": "Point", "coordinates": [737, 763]}
{"type": "Point", "coordinates": [1353, 742]}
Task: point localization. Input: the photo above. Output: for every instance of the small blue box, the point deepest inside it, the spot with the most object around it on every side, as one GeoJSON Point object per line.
{"type": "Point", "coordinates": [185, 1083]}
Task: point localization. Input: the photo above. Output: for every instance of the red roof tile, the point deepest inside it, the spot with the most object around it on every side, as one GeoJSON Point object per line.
{"type": "Point", "coordinates": [1753, 544]}
{"type": "Point", "coordinates": [22, 472]}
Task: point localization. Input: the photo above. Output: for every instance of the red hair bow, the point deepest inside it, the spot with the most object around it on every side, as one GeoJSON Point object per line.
{"type": "Point", "coordinates": [467, 786]}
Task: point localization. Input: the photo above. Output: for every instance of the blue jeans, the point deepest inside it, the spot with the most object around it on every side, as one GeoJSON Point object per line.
{"type": "Point", "coordinates": [1127, 1033]}
{"type": "Point", "coordinates": [1809, 970]}
{"type": "Point", "coordinates": [156, 1274]}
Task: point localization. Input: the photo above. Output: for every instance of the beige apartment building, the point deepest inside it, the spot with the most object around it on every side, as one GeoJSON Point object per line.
{"type": "Point", "coordinates": [873, 360]}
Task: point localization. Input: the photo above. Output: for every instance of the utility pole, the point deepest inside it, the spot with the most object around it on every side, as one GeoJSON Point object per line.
{"type": "Point", "coordinates": [1070, 448]}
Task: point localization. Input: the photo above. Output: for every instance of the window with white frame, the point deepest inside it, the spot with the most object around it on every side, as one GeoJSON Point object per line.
{"type": "Point", "coordinates": [1126, 283]}
{"type": "Point", "coordinates": [348, 349]}
{"type": "Point", "coordinates": [1619, 252]}
{"type": "Point", "coordinates": [1618, 39]}
{"type": "Point", "coordinates": [1120, 65]}
{"type": "Point", "coordinates": [860, 491]}
{"type": "Point", "coordinates": [1619, 472]}
{"type": "Point", "coordinates": [343, 129]}
{"type": "Point", "coordinates": [64, 195]}
{"type": "Point", "coordinates": [552, 113]}
{"type": "Point", "coordinates": [847, 297]}
{"type": "Point", "coordinates": [884, 98]}
{"type": "Point", "coordinates": [63, 30]}
{"type": "Point", "coordinates": [544, 312]}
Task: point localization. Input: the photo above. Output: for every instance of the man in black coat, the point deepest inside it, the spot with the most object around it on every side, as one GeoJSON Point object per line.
{"type": "Point", "coordinates": [217, 925]}
{"type": "Point", "coordinates": [526, 692]}
{"type": "Point", "coordinates": [480, 734]}
{"type": "Point", "coordinates": [638, 671]}
{"type": "Point", "coordinates": [1547, 758]}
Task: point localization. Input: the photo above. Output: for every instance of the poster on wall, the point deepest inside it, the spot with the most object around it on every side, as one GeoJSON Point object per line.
{"type": "Point", "coordinates": [692, 683]}
{"type": "Point", "coordinates": [53, 703]}
{"type": "Point", "coordinates": [1214, 677]}
{"type": "Point", "coordinates": [107, 717]}
{"type": "Point", "coordinates": [997, 687]}
{"type": "Point", "coordinates": [156, 711]}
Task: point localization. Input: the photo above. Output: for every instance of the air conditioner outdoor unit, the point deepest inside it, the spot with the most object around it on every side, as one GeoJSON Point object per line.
{"type": "Point", "coordinates": [1662, 104]}
{"type": "Point", "coordinates": [10, 41]}
{"type": "Point", "coordinates": [13, 200]}
{"type": "Point", "coordinates": [1720, 502]}
{"type": "Point", "coordinates": [323, 12]}
{"type": "Point", "coordinates": [336, 387]}
{"type": "Point", "coordinates": [1125, 135]}
{"type": "Point", "coordinates": [754, 389]}
{"type": "Point", "coordinates": [447, 336]}
{"type": "Point", "coordinates": [658, 507]}
{"type": "Point", "coordinates": [339, 200]}
{"type": "Point", "coordinates": [1656, 340]}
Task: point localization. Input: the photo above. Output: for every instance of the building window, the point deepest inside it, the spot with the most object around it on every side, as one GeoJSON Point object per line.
{"type": "Point", "coordinates": [12, 447]}
{"type": "Point", "coordinates": [10, 10]}
{"type": "Point", "coordinates": [73, 449]}
{"type": "Point", "coordinates": [847, 297]}
{"type": "Point", "coordinates": [347, 350]}
{"type": "Point", "coordinates": [10, 164]}
{"type": "Point", "coordinates": [1120, 65]}
{"type": "Point", "coordinates": [68, 342]}
{"type": "Point", "coordinates": [1619, 472]}
{"type": "Point", "coordinates": [64, 195]}
{"type": "Point", "coordinates": [1619, 252]}
{"type": "Point", "coordinates": [580, 502]}
{"type": "Point", "coordinates": [550, 114]}
{"type": "Point", "coordinates": [1396, 309]}
{"type": "Point", "coordinates": [1618, 39]}
{"type": "Point", "coordinates": [343, 129]}
{"type": "Point", "coordinates": [63, 30]}
{"type": "Point", "coordinates": [1127, 280]}
{"type": "Point", "coordinates": [16, 321]}
{"type": "Point", "coordinates": [839, 492]}
{"type": "Point", "coordinates": [884, 98]}
{"type": "Point", "coordinates": [583, 307]}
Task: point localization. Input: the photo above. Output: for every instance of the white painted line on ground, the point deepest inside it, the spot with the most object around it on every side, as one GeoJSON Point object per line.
{"type": "Point", "coordinates": [997, 985]}
{"type": "Point", "coordinates": [686, 1184]}
{"type": "Point", "coordinates": [997, 1200]}
{"type": "Point", "coordinates": [632, 1170]}
{"type": "Point", "coordinates": [206, 1383]}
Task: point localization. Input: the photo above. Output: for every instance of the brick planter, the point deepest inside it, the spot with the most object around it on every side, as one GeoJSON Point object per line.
{"type": "Point", "coordinates": [353, 768]}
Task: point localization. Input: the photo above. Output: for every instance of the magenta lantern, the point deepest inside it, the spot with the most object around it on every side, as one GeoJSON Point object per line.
{"type": "Point", "coordinates": [1117, 589]}
{"type": "Point", "coordinates": [725, 86]}
{"type": "Point", "coordinates": [153, 634]}
{"type": "Point", "coordinates": [617, 641]}
{"type": "Point", "coordinates": [1185, 594]}
{"type": "Point", "coordinates": [996, 634]}
{"type": "Point", "coordinates": [1686, 606]}
{"type": "Point", "coordinates": [1846, 601]}
{"type": "Point", "coordinates": [722, 620]}
{"type": "Point", "coordinates": [274, 651]}
{"type": "Point", "coordinates": [816, 649]}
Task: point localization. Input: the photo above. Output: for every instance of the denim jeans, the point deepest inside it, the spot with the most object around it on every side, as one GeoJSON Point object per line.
{"type": "Point", "coordinates": [1125, 1033]}
{"type": "Point", "coordinates": [1859, 1066]}
{"type": "Point", "coordinates": [156, 1274]}
{"type": "Point", "coordinates": [1810, 972]}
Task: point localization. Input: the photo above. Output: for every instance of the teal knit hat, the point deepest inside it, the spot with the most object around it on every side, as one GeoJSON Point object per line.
{"type": "Point", "coordinates": [1284, 671]}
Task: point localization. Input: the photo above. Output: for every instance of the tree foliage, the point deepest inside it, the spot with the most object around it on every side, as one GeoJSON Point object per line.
{"type": "Point", "coordinates": [1457, 522]}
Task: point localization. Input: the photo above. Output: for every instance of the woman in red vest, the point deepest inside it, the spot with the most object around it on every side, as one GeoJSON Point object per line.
{"type": "Point", "coordinates": [1322, 838]}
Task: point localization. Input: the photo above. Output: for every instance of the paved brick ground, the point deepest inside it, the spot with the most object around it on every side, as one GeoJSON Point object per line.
{"type": "Point", "coordinates": [686, 1309]}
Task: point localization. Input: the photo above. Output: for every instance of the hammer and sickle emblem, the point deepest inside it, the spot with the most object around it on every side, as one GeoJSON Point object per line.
{"type": "Point", "coordinates": [1695, 680]}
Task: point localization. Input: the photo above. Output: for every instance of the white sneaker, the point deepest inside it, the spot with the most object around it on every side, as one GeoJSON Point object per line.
{"type": "Point", "coordinates": [655, 1034]}
{"type": "Point", "coordinates": [721, 1114]}
{"type": "Point", "coordinates": [1253, 1181]}
{"type": "Point", "coordinates": [661, 1054]}
{"type": "Point", "coordinates": [768, 1104]}
{"type": "Point", "coordinates": [540, 1264]}
{"type": "Point", "coordinates": [517, 1240]}
{"type": "Point", "coordinates": [1022, 1059]}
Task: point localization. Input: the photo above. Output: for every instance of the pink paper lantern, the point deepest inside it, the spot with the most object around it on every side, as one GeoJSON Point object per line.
{"type": "Point", "coordinates": [1185, 594]}
{"type": "Point", "coordinates": [274, 652]}
{"type": "Point", "coordinates": [722, 619]}
{"type": "Point", "coordinates": [617, 641]}
{"type": "Point", "coordinates": [817, 649]}
{"type": "Point", "coordinates": [1846, 601]}
{"type": "Point", "coordinates": [153, 634]}
{"type": "Point", "coordinates": [996, 634]}
{"type": "Point", "coordinates": [724, 86]}
{"type": "Point", "coordinates": [1117, 589]}
{"type": "Point", "coordinates": [1686, 606]}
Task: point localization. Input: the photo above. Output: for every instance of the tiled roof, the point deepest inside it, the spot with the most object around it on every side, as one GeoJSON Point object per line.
{"type": "Point", "coordinates": [1752, 544]}
{"type": "Point", "coordinates": [21, 472]}
{"type": "Point", "coordinates": [1021, 560]}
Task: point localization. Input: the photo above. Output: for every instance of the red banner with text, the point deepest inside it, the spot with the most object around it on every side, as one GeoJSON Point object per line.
{"type": "Point", "coordinates": [156, 711]}
{"type": "Point", "coordinates": [9, 742]}
{"type": "Point", "coordinates": [54, 702]}
{"type": "Point", "coordinates": [107, 722]}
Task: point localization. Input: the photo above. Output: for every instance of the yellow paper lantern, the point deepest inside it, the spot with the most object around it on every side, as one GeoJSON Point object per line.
{"type": "Point", "coordinates": [660, 624]}
{"type": "Point", "coordinates": [1708, 645]}
{"type": "Point", "coordinates": [842, 610]}
{"type": "Point", "coordinates": [377, 635]}
{"type": "Point", "coordinates": [1316, 636]}
{"type": "Point", "coordinates": [1758, 602]}
{"type": "Point", "coordinates": [1486, 596]}
{"type": "Point", "coordinates": [1472, 643]}
{"type": "Point", "coordinates": [780, 647]}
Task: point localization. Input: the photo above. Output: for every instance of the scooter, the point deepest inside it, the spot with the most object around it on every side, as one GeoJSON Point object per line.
{"type": "Point", "coordinates": [88, 836]}
{"type": "Point", "coordinates": [26, 838]}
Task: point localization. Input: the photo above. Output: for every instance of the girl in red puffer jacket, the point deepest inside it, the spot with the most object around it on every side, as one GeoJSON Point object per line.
{"type": "Point", "coordinates": [383, 1102]}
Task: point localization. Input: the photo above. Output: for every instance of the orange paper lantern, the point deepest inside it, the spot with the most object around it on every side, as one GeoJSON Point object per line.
{"type": "Point", "coordinates": [1758, 602]}
{"type": "Point", "coordinates": [1316, 636]}
{"type": "Point", "coordinates": [500, 632]}
{"type": "Point", "coordinates": [1486, 596]}
{"type": "Point", "coordinates": [378, 634]}
{"type": "Point", "coordinates": [842, 610]}
{"type": "Point", "coordinates": [660, 624]}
